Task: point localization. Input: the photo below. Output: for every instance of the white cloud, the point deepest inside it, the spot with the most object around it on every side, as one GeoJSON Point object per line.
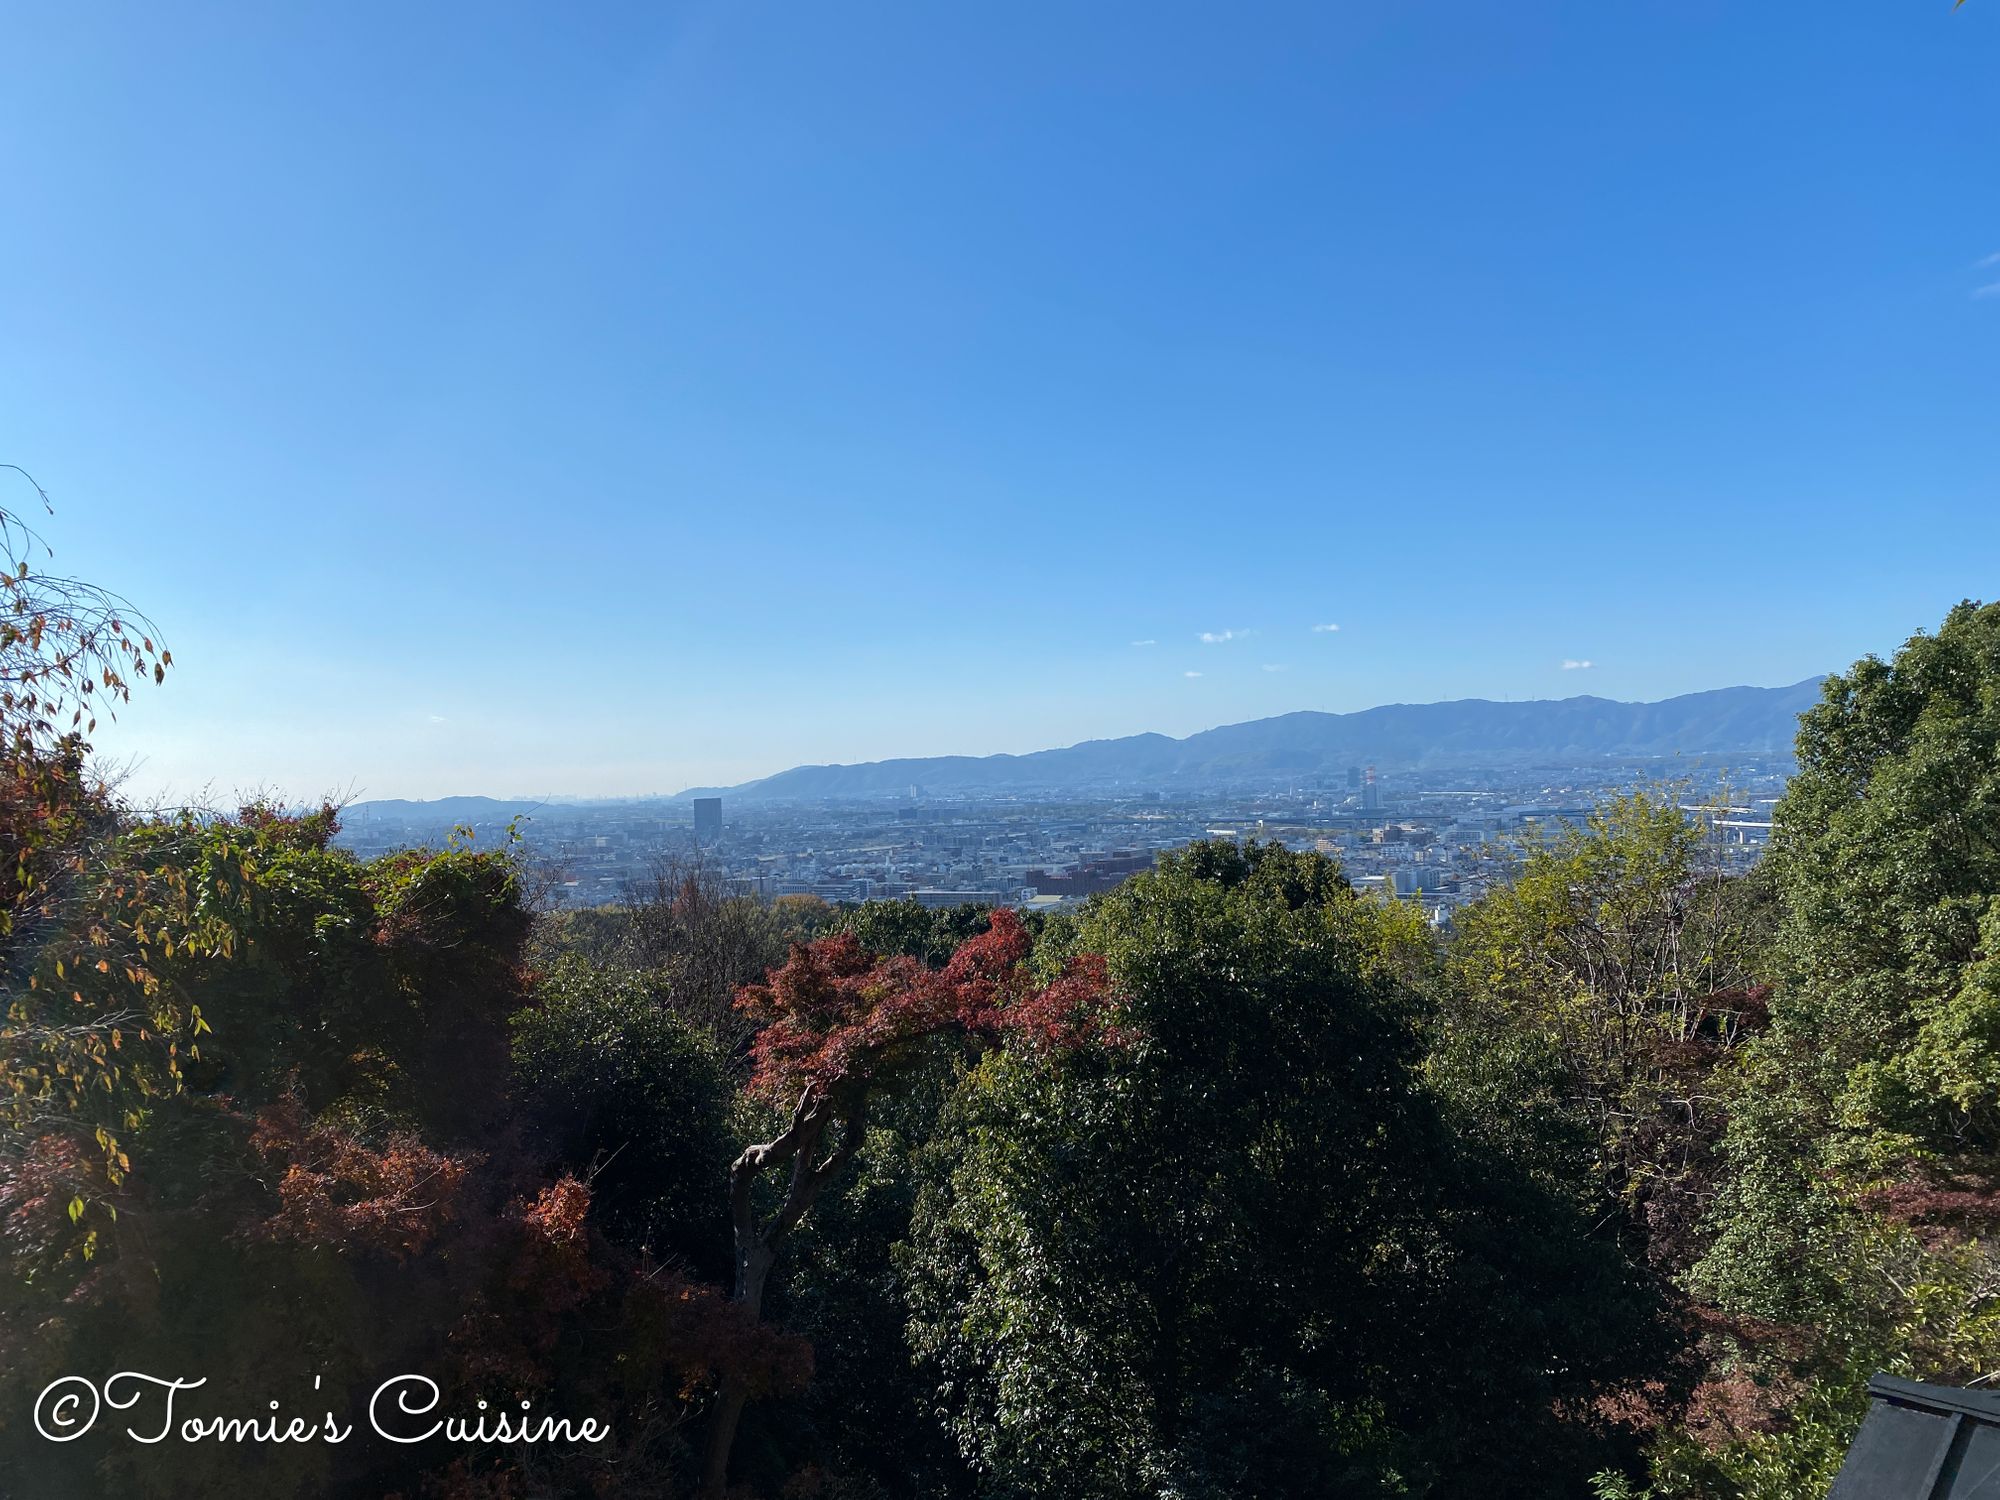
{"type": "Point", "coordinates": [1988, 260]}
{"type": "Point", "coordinates": [1217, 637]}
{"type": "Point", "coordinates": [1145, 643]}
{"type": "Point", "coordinates": [438, 719]}
{"type": "Point", "coordinates": [1274, 666]}
{"type": "Point", "coordinates": [1190, 674]}
{"type": "Point", "coordinates": [1324, 629]}
{"type": "Point", "coordinates": [1991, 289]}
{"type": "Point", "coordinates": [1573, 665]}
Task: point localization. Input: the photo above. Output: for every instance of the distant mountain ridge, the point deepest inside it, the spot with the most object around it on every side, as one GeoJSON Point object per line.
{"type": "Point", "coordinates": [1467, 732]}
{"type": "Point", "coordinates": [1395, 736]}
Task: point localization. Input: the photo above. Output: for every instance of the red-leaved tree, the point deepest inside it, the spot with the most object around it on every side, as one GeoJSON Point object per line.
{"type": "Point", "coordinates": [837, 1024]}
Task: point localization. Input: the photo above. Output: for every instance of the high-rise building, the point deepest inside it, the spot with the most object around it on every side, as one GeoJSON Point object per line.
{"type": "Point", "coordinates": [1354, 778]}
{"type": "Point", "coordinates": [707, 819]}
{"type": "Point", "coordinates": [1371, 791]}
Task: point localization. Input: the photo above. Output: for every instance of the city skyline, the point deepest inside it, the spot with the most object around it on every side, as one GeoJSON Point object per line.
{"type": "Point", "coordinates": [668, 396]}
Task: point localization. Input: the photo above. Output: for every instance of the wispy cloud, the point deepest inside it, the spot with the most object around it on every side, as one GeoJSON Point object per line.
{"type": "Point", "coordinates": [1274, 666]}
{"type": "Point", "coordinates": [438, 719]}
{"type": "Point", "coordinates": [1325, 629]}
{"type": "Point", "coordinates": [1217, 637]}
{"type": "Point", "coordinates": [1988, 260]}
{"type": "Point", "coordinates": [1190, 674]}
{"type": "Point", "coordinates": [1991, 289]}
{"type": "Point", "coordinates": [1145, 643]}
{"type": "Point", "coordinates": [1573, 665]}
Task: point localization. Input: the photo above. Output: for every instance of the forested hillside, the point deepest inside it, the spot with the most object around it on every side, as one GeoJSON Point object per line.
{"type": "Point", "coordinates": [1230, 1183]}
{"type": "Point", "coordinates": [1469, 732]}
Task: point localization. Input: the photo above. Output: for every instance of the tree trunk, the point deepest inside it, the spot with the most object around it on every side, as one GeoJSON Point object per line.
{"type": "Point", "coordinates": [729, 1404]}
{"type": "Point", "coordinates": [757, 1245]}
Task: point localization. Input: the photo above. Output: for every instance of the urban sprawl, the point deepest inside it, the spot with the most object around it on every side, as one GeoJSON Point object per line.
{"type": "Point", "coordinates": [1439, 838]}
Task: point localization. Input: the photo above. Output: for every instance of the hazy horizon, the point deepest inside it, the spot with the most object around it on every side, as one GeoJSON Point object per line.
{"type": "Point", "coordinates": [558, 794]}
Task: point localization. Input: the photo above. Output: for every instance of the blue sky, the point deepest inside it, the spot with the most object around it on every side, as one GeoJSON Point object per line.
{"type": "Point", "coordinates": [529, 399]}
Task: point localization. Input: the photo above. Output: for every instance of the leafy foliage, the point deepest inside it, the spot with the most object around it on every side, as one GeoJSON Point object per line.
{"type": "Point", "coordinates": [634, 1097]}
{"type": "Point", "coordinates": [929, 935]}
{"type": "Point", "coordinates": [310, 1202]}
{"type": "Point", "coordinates": [1853, 1227]}
{"type": "Point", "coordinates": [66, 647]}
{"type": "Point", "coordinates": [697, 943]}
{"type": "Point", "coordinates": [1608, 981]}
{"type": "Point", "coordinates": [1240, 1254]}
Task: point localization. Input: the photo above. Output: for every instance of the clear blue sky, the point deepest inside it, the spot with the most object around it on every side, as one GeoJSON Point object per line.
{"type": "Point", "coordinates": [594, 399]}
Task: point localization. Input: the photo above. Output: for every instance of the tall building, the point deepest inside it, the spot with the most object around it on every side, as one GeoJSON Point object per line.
{"type": "Point", "coordinates": [707, 819]}
{"type": "Point", "coordinates": [1371, 792]}
{"type": "Point", "coordinates": [1354, 778]}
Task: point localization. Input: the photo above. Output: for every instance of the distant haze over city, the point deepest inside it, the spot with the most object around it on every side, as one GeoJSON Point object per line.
{"type": "Point", "coordinates": [1471, 732]}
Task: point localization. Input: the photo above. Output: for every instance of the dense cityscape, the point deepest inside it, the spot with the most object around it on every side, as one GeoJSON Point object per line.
{"type": "Point", "coordinates": [1440, 838]}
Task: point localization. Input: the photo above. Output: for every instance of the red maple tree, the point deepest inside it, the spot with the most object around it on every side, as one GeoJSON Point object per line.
{"type": "Point", "coordinates": [837, 1023]}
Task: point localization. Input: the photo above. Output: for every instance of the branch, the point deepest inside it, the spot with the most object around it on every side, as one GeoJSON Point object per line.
{"type": "Point", "coordinates": [806, 1184]}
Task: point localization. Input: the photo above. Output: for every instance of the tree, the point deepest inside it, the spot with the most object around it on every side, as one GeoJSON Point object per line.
{"type": "Point", "coordinates": [839, 1025]}
{"type": "Point", "coordinates": [633, 1099]}
{"type": "Point", "coordinates": [1881, 1074]}
{"type": "Point", "coordinates": [697, 943]}
{"type": "Point", "coordinates": [68, 651]}
{"type": "Point", "coordinates": [1608, 980]}
{"type": "Point", "coordinates": [1243, 1254]}
{"type": "Point", "coordinates": [345, 1185]}
{"type": "Point", "coordinates": [1857, 1225]}
{"type": "Point", "coordinates": [67, 647]}
{"type": "Point", "coordinates": [89, 1029]}
{"type": "Point", "coordinates": [930, 935]}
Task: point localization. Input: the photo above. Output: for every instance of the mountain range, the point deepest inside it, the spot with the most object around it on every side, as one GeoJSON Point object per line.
{"type": "Point", "coordinates": [1466, 732]}
{"type": "Point", "coordinates": [1397, 736]}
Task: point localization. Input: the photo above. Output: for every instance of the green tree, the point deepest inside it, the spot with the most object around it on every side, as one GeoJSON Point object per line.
{"type": "Point", "coordinates": [634, 1099]}
{"type": "Point", "coordinates": [1880, 1074]}
{"type": "Point", "coordinates": [1855, 1227]}
{"type": "Point", "coordinates": [928, 935]}
{"type": "Point", "coordinates": [1243, 1255]}
{"type": "Point", "coordinates": [1606, 982]}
